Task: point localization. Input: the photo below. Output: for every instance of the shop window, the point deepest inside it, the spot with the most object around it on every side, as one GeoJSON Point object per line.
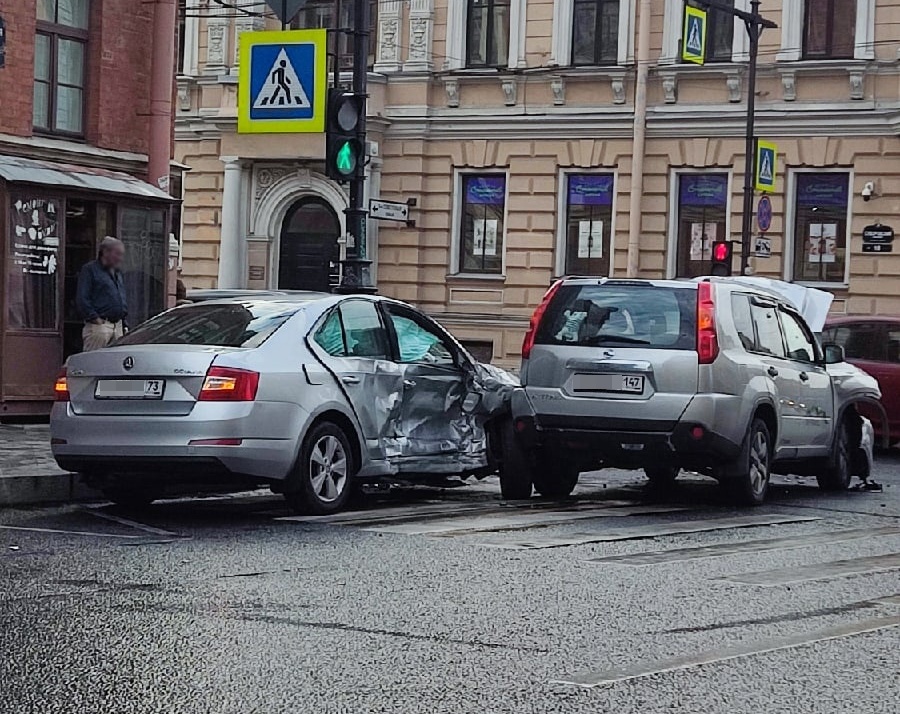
{"type": "Point", "coordinates": [719, 32]}
{"type": "Point", "coordinates": [588, 224]}
{"type": "Point", "coordinates": [324, 14]}
{"type": "Point", "coordinates": [33, 260]}
{"type": "Point", "coordinates": [702, 219]}
{"type": "Point", "coordinates": [145, 235]}
{"type": "Point", "coordinates": [595, 32]}
{"type": "Point", "coordinates": [482, 224]}
{"type": "Point", "coordinates": [488, 33]}
{"type": "Point", "coordinates": [60, 58]}
{"type": "Point", "coordinates": [821, 203]}
{"type": "Point", "coordinates": [829, 29]}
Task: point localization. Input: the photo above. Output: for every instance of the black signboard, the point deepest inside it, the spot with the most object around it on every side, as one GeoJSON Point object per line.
{"type": "Point", "coordinates": [2, 42]}
{"type": "Point", "coordinates": [878, 234]}
{"type": "Point", "coordinates": [878, 248]}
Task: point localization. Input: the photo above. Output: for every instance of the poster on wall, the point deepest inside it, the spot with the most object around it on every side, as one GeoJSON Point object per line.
{"type": "Point", "coordinates": [485, 237]}
{"type": "Point", "coordinates": [32, 262]}
{"type": "Point", "coordinates": [590, 239]}
{"type": "Point", "coordinates": [814, 243]}
{"type": "Point", "coordinates": [829, 239]}
{"type": "Point", "coordinates": [703, 235]}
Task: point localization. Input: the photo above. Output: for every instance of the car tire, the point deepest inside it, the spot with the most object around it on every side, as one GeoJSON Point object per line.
{"type": "Point", "coordinates": [516, 465]}
{"type": "Point", "coordinates": [836, 475]}
{"type": "Point", "coordinates": [662, 475]}
{"type": "Point", "coordinates": [752, 470]}
{"type": "Point", "coordinates": [322, 479]}
{"type": "Point", "coordinates": [554, 477]}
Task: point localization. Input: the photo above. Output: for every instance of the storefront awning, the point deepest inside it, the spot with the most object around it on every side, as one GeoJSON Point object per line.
{"type": "Point", "coordinates": [16, 169]}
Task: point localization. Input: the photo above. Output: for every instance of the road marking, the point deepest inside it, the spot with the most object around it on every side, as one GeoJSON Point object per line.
{"type": "Point", "coordinates": [678, 555]}
{"type": "Point", "coordinates": [131, 524]}
{"type": "Point", "coordinates": [724, 654]}
{"type": "Point", "coordinates": [818, 571]}
{"type": "Point", "coordinates": [452, 527]}
{"type": "Point", "coordinates": [61, 532]}
{"type": "Point", "coordinates": [652, 531]}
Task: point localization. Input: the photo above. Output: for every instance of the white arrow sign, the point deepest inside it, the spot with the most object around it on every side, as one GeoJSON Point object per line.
{"type": "Point", "coordinates": [388, 210]}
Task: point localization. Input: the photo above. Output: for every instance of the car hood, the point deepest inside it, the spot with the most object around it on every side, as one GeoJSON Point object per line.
{"type": "Point", "coordinates": [852, 384]}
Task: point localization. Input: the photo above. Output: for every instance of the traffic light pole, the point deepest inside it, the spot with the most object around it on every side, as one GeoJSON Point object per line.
{"type": "Point", "coordinates": [356, 276]}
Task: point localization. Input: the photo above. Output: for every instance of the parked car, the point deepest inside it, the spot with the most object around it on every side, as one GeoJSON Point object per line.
{"type": "Point", "coordinates": [308, 393]}
{"type": "Point", "coordinates": [719, 376]}
{"type": "Point", "coordinates": [873, 345]}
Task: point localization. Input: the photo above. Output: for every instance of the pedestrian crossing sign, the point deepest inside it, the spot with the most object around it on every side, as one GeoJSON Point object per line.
{"type": "Point", "coordinates": [766, 155]}
{"type": "Point", "coordinates": [693, 41]}
{"type": "Point", "coordinates": [282, 82]}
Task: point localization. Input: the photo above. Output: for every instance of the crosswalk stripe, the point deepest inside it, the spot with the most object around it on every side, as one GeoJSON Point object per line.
{"type": "Point", "coordinates": [818, 571]}
{"type": "Point", "coordinates": [678, 555]}
{"type": "Point", "coordinates": [650, 531]}
{"type": "Point", "coordinates": [650, 668]}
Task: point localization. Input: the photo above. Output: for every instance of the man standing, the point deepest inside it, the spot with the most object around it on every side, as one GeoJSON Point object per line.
{"type": "Point", "coordinates": [100, 297]}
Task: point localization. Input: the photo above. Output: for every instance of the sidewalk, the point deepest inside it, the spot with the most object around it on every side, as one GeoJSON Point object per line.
{"type": "Point", "coordinates": [28, 473]}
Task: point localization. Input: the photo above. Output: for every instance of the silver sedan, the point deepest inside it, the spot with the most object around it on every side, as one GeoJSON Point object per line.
{"type": "Point", "coordinates": [308, 393]}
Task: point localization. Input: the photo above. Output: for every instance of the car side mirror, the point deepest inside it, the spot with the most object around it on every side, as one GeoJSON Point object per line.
{"type": "Point", "coordinates": [834, 354]}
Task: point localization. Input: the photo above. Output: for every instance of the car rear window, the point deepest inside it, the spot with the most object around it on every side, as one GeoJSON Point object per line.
{"type": "Point", "coordinates": [644, 315]}
{"type": "Point", "coordinates": [214, 325]}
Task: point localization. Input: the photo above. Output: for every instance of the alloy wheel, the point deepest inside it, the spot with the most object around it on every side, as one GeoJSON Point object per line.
{"type": "Point", "coordinates": [759, 462]}
{"type": "Point", "coordinates": [328, 468]}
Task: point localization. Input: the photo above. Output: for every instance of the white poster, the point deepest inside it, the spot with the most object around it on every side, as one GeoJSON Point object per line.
{"type": "Point", "coordinates": [590, 239]}
{"type": "Point", "coordinates": [485, 238]}
{"type": "Point", "coordinates": [814, 247]}
{"type": "Point", "coordinates": [829, 249]}
{"type": "Point", "coordinates": [702, 237]}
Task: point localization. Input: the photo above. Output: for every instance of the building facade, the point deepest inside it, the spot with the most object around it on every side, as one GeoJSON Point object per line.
{"type": "Point", "coordinates": [77, 150]}
{"type": "Point", "coordinates": [549, 137]}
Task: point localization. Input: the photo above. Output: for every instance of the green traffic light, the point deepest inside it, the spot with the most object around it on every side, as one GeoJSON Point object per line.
{"type": "Point", "coordinates": [345, 160]}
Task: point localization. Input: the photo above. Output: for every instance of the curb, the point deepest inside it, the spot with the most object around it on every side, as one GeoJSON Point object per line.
{"type": "Point", "coordinates": [44, 488]}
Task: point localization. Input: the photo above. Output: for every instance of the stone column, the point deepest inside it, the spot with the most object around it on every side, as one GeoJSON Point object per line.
{"type": "Point", "coordinates": [230, 248]}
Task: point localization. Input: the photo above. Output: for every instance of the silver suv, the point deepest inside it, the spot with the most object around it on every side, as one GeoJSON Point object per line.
{"type": "Point", "coordinates": [714, 375]}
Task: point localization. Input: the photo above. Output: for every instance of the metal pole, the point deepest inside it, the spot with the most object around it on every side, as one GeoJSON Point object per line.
{"type": "Point", "coordinates": [754, 31]}
{"type": "Point", "coordinates": [284, 20]}
{"type": "Point", "coordinates": [357, 275]}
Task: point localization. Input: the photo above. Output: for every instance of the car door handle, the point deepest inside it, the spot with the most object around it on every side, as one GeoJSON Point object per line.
{"type": "Point", "coordinates": [350, 379]}
{"type": "Point", "coordinates": [804, 376]}
{"type": "Point", "coordinates": [409, 383]}
{"type": "Point", "coordinates": [772, 372]}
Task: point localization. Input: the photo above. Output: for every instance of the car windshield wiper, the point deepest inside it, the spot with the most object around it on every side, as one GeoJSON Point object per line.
{"type": "Point", "coordinates": [603, 339]}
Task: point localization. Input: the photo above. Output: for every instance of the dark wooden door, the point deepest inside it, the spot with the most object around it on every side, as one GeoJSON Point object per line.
{"type": "Point", "coordinates": [309, 255]}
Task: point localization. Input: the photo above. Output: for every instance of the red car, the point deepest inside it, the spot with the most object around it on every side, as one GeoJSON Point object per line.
{"type": "Point", "coordinates": [873, 345]}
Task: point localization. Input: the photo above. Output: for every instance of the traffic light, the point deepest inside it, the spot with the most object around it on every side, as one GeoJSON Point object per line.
{"type": "Point", "coordinates": [722, 253]}
{"type": "Point", "coordinates": [344, 152]}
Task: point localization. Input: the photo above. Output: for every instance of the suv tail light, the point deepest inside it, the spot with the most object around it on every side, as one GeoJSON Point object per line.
{"type": "Point", "coordinates": [539, 311]}
{"type": "Point", "coordinates": [225, 384]}
{"type": "Point", "coordinates": [61, 388]}
{"type": "Point", "coordinates": [707, 340]}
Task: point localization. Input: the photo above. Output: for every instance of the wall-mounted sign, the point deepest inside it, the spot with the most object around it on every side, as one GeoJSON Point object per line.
{"type": "Point", "coordinates": [878, 234]}
{"type": "Point", "coordinates": [388, 210]}
{"type": "Point", "coordinates": [762, 247]}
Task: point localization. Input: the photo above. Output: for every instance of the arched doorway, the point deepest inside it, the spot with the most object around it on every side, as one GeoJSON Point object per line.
{"type": "Point", "coordinates": [309, 255]}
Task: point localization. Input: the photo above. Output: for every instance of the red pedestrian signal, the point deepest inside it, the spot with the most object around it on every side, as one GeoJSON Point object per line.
{"type": "Point", "coordinates": [722, 254]}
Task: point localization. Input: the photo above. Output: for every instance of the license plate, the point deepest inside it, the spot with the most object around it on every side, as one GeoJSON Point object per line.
{"type": "Point", "coordinates": [629, 383]}
{"type": "Point", "coordinates": [130, 388]}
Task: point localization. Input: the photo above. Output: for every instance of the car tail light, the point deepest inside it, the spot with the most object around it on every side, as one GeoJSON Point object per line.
{"type": "Point", "coordinates": [539, 311]}
{"type": "Point", "coordinates": [61, 388]}
{"type": "Point", "coordinates": [707, 340]}
{"type": "Point", "coordinates": [225, 384]}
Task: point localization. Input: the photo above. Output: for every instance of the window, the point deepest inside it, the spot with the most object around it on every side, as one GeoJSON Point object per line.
{"type": "Point", "coordinates": [720, 33]}
{"type": "Point", "coordinates": [768, 333]}
{"type": "Point", "coordinates": [829, 29]}
{"type": "Point", "coordinates": [800, 345]}
{"type": "Point", "coordinates": [59, 66]}
{"type": "Point", "coordinates": [702, 219]}
{"type": "Point", "coordinates": [354, 329]}
{"type": "Point", "coordinates": [419, 343]}
{"type": "Point", "coordinates": [621, 315]}
{"type": "Point", "coordinates": [33, 259]}
{"type": "Point", "coordinates": [323, 14]}
{"type": "Point", "coordinates": [482, 224]}
{"type": "Point", "coordinates": [861, 341]}
{"type": "Point", "coordinates": [595, 32]}
{"type": "Point", "coordinates": [820, 227]}
{"type": "Point", "coordinates": [743, 321]}
{"type": "Point", "coordinates": [145, 234]}
{"type": "Point", "coordinates": [588, 224]}
{"type": "Point", "coordinates": [487, 33]}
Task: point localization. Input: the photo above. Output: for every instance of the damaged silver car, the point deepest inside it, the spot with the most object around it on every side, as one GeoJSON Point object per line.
{"type": "Point", "coordinates": [309, 393]}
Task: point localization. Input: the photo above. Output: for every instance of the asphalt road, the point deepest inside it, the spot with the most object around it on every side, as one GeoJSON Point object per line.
{"type": "Point", "coordinates": [619, 600]}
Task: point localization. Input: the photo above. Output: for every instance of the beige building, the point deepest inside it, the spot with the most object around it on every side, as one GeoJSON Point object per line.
{"type": "Point", "coordinates": [518, 128]}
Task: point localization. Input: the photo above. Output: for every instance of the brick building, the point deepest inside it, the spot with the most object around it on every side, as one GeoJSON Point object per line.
{"type": "Point", "coordinates": [515, 126]}
{"type": "Point", "coordinates": [79, 145]}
